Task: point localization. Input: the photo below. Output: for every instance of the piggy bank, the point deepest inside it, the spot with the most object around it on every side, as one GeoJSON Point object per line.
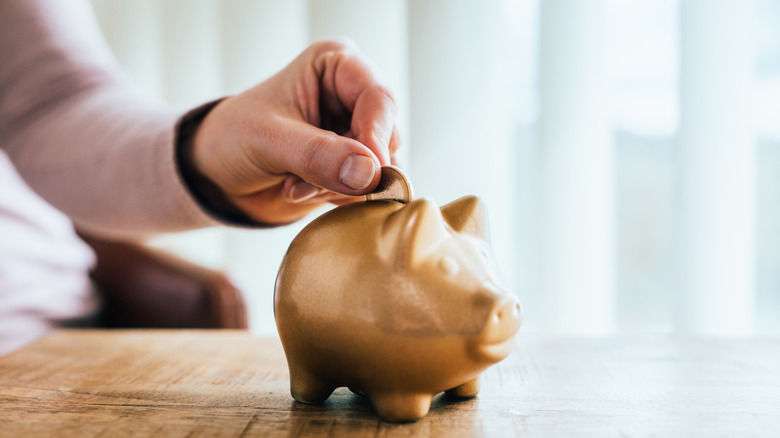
{"type": "Point", "coordinates": [398, 302]}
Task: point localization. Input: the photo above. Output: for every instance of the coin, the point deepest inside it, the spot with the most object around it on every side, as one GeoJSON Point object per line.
{"type": "Point", "coordinates": [393, 186]}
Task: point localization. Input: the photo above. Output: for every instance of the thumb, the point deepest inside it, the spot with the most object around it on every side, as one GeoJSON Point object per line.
{"type": "Point", "coordinates": [325, 159]}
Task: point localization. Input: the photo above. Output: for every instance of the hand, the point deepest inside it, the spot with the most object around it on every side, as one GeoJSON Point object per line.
{"type": "Point", "coordinates": [318, 131]}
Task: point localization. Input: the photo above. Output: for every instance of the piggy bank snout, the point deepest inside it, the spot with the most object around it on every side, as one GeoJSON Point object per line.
{"type": "Point", "coordinates": [503, 321]}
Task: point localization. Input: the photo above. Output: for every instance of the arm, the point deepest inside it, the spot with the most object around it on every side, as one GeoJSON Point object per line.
{"type": "Point", "coordinates": [77, 133]}
{"type": "Point", "coordinates": [316, 132]}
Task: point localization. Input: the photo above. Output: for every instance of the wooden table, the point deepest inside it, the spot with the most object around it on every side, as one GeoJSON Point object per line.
{"type": "Point", "coordinates": [230, 383]}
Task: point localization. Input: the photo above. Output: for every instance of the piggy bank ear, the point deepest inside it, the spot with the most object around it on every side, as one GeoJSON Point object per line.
{"type": "Point", "coordinates": [411, 233]}
{"type": "Point", "coordinates": [467, 215]}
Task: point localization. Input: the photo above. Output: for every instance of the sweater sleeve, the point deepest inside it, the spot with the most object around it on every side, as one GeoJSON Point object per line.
{"type": "Point", "coordinates": [78, 134]}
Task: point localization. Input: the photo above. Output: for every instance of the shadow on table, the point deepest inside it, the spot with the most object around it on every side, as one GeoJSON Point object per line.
{"type": "Point", "coordinates": [345, 412]}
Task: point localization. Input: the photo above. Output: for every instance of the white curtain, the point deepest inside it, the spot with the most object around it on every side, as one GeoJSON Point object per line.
{"type": "Point", "coordinates": [626, 149]}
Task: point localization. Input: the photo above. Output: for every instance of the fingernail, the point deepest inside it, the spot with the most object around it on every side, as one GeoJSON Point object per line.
{"type": "Point", "coordinates": [302, 191]}
{"type": "Point", "coordinates": [357, 172]}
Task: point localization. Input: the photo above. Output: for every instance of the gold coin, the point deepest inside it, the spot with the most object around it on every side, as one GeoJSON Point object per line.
{"type": "Point", "coordinates": [393, 186]}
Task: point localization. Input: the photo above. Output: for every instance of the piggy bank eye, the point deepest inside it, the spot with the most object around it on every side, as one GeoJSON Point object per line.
{"type": "Point", "coordinates": [449, 265]}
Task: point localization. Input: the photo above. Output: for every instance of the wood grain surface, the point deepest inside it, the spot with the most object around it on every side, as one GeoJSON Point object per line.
{"type": "Point", "coordinates": [230, 383]}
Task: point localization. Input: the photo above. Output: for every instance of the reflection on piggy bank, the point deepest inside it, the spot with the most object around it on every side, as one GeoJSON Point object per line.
{"type": "Point", "coordinates": [399, 302]}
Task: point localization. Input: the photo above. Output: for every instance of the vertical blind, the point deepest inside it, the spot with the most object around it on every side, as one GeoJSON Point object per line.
{"type": "Point", "coordinates": [618, 145]}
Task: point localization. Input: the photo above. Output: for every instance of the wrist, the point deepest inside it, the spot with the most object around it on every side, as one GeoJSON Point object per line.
{"type": "Point", "coordinates": [211, 198]}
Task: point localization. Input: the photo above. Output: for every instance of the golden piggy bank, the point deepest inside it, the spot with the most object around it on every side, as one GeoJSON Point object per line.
{"type": "Point", "coordinates": [399, 302]}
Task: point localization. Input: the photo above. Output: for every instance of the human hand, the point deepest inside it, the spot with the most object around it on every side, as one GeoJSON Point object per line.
{"type": "Point", "coordinates": [317, 131]}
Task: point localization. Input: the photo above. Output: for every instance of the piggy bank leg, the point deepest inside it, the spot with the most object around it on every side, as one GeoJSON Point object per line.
{"type": "Point", "coordinates": [466, 390]}
{"type": "Point", "coordinates": [307, 388]}
{"type": "Point", "coordinates": [399, 408]}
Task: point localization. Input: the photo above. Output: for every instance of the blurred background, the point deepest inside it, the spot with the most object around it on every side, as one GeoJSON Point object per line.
{"type": "Point", "coordinates": [628, 150]}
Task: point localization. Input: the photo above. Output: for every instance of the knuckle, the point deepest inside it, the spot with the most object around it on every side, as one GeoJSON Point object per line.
{"type": "Point", "coordinates": [312, 152]}
{"type": "Point", "coordinates": [340, 44]}
{"type": "Point", "coordinates": [388, 93]}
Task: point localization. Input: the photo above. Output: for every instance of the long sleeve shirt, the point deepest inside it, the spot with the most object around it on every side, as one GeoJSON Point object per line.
{"type": "Point", "coordinates": [75, 134]}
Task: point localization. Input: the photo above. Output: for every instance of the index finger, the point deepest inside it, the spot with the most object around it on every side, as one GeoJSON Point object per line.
{"type": "Point", "coordinates": [373, 120]}
{"type": "Point", "coordinates": [351, 80]}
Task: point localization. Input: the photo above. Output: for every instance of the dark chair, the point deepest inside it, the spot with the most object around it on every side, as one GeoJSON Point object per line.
{"type": "Point", "coordinates": [146, 287]}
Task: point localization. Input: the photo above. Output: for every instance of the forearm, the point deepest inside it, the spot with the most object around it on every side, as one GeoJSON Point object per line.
{"type": "Point", "coordinates": [106, 159]}
{"type": "Point", "coordinates": [77, 134]}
